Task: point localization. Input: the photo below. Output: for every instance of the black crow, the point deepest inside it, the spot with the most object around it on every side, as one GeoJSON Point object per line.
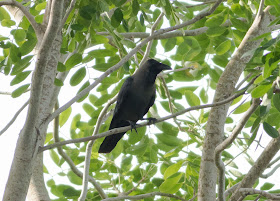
{"type": "Point", "coordinates": [134, 100]}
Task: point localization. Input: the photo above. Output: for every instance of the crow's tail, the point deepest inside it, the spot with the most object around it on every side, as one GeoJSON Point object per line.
{"type": "Point", "coordinates": [111, 141]}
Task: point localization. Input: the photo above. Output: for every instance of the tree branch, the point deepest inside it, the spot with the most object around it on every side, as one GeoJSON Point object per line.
{"type": "Point", "coordinates": [265, 176]}
{"type": "Point", "coordinates": [29, 138]}
{"type": "Point", "coordinates": [126, 58]}
{"type": "Point", "coordinates": [126, 128]}
{"type": "Point", "coordinates": [89, 148]}
{"type": "Point", "coordinates": [258, 167]}
{"type": "Point", "coordinates": [251, 191]}
{"type": "Point", "coordinates": [14, 118]}
{"type": "Point", "coordinates": [147, 195]}
{"type": "Point", "coordinates": [37, 27]}
{"type": "Point", "coordinates": [67, 13]}
{"type": "Point", "coordinates": [221, 147]}
{"type": "Point", "coordinates": [217, 116]}
{"type": "Point", "coordinates": [149, 46]}
{"type": "Point", "coordinates": [71, 163]}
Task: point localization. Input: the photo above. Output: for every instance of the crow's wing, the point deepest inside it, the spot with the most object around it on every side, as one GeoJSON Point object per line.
{"type": "Point", "coordinates": [111, 141]}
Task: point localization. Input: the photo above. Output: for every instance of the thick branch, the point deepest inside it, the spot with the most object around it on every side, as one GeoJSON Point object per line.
{"type": "Point", "coordinates": [217, 116]}
{"type": "Point", "coordinates": [29, 138]}
{"type": "Point", "coordinates": [127, 57]}
{"type": "Point", "coordinates": [147, 195]}
{"type": "Point", "coordinates": [251, 191]}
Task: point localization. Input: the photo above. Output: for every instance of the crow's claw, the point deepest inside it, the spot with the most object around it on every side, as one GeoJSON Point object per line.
{"type": "Point", "coordinates": [133, 125]}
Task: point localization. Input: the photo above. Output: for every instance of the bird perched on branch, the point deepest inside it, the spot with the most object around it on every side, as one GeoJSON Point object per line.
{"type": "Point", "coordinates": [134, 100]}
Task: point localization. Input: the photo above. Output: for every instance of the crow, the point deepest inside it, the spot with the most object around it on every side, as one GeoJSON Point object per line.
{"type": "Point", "coordinates": [134, 100]}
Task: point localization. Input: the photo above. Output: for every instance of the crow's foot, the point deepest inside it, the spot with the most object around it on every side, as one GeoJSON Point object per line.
{"type": "Point", "coordinates": [151, 120]}
{"type": "Point", "coordinates": [133, 125]}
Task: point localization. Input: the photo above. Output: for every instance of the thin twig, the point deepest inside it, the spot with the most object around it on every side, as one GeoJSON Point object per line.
{"type": "Point", "coordinates": [126, 128]}
{"type": "Point", "coordinates": [170, 101]}
{"type": "Point", "coordinates": [89, 149]}
{"type": "Point", "coordinates": [219, 163]}
{"type": "Point", "coordinates": [141, 180]}
{"type": "Point", "coordinates": [67, 13]}
{"type": "Point", "coordinates": [71, 163]}
{"type": "Point", "coordinates": [14, 118]}
{"type": "Point", "coordinates": [37, 27]}
{"type": "Point", "coordinates": [126, 58]}
{"type": "Point", "coordinates": [149, 46]}
{"type": "Point", "coordinates": [265, 176]}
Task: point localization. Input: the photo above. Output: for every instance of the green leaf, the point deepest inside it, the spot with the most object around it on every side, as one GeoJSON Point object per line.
{"type": "Point", "coordinates": [171, 184]}
{"type": "Point", "coordinates": [268, 68]}
{"type": "Point", "coordinates": [276, 101]}
{"type": "Point", "coordinates": [240, 25]}
{"type": "Point", "coordinates": [98, 39]}
{"type": "Point", "coordinates": [237, 9]}
{"type": "Point", "coordinates": [77, 27]}
{"type": "Point", "coordinates": [101, 53]}
{"type": "Point", "coordinates": [272, 132]}
{"type": "Point", "coordinates": [7, 23]}
{"type": "Point", "coordinates": [103, 66]}
{"type": "Point", "coordinates": [192, 98]}
{"type": "Point", "coordinates": [4, 14]}
{"type": "Point", "coordinates": [54, 157]}
{"type": "Point", "coordinates": [21, 65]}
{"type": "Point", "coordinates": [58, 82]}
{"type": "Point", "coordinates": [172, 169]}
{"type": "Point", "coordinates": [20, 90]}
{"type": "Point", "coordinates": [78, 76]}
{"type": "Point", "coordinates": [135, 7]}
{"type": "Point", "coordinates": [168, 44]}
{"type": "Point", "coordinates": [266, 186]}
{"type": "Point", "coordinates": [242, 108]}
{"type": "Point", "coordinates": [73, 60]}
{"type": "Point", "coordinates": [169, 139]}
{"type": "Point", "coordinates": [215, 31]}
{"type": "Point", "coordinates": [28, 46]}
{"type": "Point", "coordinates": [214, 21]}
{"type": "Point", "coordinates": [64, 116]}
{"type": "Point", "coordinates": [61, 67]}
{"type": "Point", "coordinates": [88, 108]}
{"type": "Point", "coordinates": [203, 95]}
{"type": "Point", "coordinates": [260, 90]}
{"type": "Point", "coordinates": [273, 119]}
{"type": "Point", "coordinates": [20, 77]}
{"type": "Point", "coordinates": [41, 6]}
{"type": "Point", "coordinates": [223, 47]}
{"type": "Point", "coordinates": [85, 85]}
{"type": "Point", "coordinates": [73, 178]}
{"type": "Point", "coordinates": [19, 35]}
{"type": "Point", "coordinates": [15, 53]}
{"type": "Point", "coordinates": [117, 17]}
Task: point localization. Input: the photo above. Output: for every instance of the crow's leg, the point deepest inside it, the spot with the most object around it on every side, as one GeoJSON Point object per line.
{"type": "Point", "coordinates": [133, 125]}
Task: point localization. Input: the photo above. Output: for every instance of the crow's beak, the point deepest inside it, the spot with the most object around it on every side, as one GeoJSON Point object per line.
{"type": "Point", "coordinates": [165, 67]}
